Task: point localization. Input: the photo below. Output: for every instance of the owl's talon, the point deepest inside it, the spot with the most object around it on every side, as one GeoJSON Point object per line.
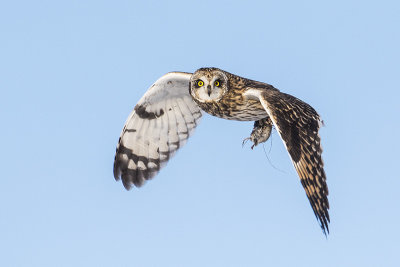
{"type": "Point", "coordinates": [260, 133]}
{"type": "Point", "coordinates": [245, 141]}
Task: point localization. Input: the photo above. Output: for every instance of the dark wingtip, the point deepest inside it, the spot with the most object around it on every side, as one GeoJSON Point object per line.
{"type": "Point", "coordinates": [127, 184]}
{"type": "Point", "coordinates": [325, 229]}
{"type": "Point", "coordinates": [116, 173]}
{"type": "Point", "coordinates": [323, 220]}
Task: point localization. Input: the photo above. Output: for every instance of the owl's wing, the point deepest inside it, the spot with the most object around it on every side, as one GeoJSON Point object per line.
{"type": "Point", "coordinates": [159, 125]}
{"type": "Point", "coordinates": [297, 124]}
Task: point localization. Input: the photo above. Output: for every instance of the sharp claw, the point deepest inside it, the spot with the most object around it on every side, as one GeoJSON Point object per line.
{"type": "Point", "coordinates": [260, 133]}
{"type": "Point", "coordinates": [245, 141]}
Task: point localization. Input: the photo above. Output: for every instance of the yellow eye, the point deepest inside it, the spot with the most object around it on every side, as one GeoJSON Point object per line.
{"type": "Point", "coordinates": [200, 83]}
{"type": "Point", "coordinates": [217, 83]}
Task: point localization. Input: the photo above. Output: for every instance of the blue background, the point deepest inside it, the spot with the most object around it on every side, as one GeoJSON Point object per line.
{"type": "Point", "coordinates": [71, 72]}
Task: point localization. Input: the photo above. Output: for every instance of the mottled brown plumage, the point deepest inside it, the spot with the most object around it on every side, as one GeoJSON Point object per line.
{"type": "Point", "coordinates": [167, 114]}
{"type": "Point", "coordinates": [298, 125]}
{"type": "Point", "coordinates": [234, 105]}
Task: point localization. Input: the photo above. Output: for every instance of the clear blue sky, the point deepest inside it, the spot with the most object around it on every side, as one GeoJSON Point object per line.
{"type": "Point", "coordinates": [71, 72]}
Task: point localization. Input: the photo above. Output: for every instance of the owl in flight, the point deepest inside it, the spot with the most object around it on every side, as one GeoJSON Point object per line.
{"type": "Point", "coordinates": [170, 110]}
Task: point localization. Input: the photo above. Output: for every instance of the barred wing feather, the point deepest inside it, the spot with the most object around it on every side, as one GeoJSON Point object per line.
{"type": "Point", "coordinates": [161, 122]}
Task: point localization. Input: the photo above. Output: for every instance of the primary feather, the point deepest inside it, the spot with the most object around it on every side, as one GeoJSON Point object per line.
{"type": "Point", "coordinates": [159, 125]}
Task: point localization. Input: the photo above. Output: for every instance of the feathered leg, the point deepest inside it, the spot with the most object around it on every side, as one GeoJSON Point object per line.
{"type": "Point", "coordinates": [261, 132]}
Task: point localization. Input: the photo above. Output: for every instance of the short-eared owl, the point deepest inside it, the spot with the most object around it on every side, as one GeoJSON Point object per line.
{"type": "Point", "coordinates": [170, 110]}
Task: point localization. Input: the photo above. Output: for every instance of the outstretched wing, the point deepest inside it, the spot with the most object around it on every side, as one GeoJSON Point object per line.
{"type": "Point", "coordinates": [297, 124]}
{"type": "Point", "coordinates": [159, 125]}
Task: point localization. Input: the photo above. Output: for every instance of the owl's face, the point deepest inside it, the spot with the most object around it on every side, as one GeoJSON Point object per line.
{"type": "Point", "coordinates": [208, 84]}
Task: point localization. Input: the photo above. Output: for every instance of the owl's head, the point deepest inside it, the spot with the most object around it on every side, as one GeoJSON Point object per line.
{"type": "Point", "coordinates": [208, 84]}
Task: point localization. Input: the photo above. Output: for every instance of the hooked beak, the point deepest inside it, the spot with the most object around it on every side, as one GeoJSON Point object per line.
{"type": "Point", "coordinates": [209, 90]}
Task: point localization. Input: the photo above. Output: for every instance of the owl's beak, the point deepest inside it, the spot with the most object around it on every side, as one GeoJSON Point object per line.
{"type": "Point", "coordinates": [209, 90]}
